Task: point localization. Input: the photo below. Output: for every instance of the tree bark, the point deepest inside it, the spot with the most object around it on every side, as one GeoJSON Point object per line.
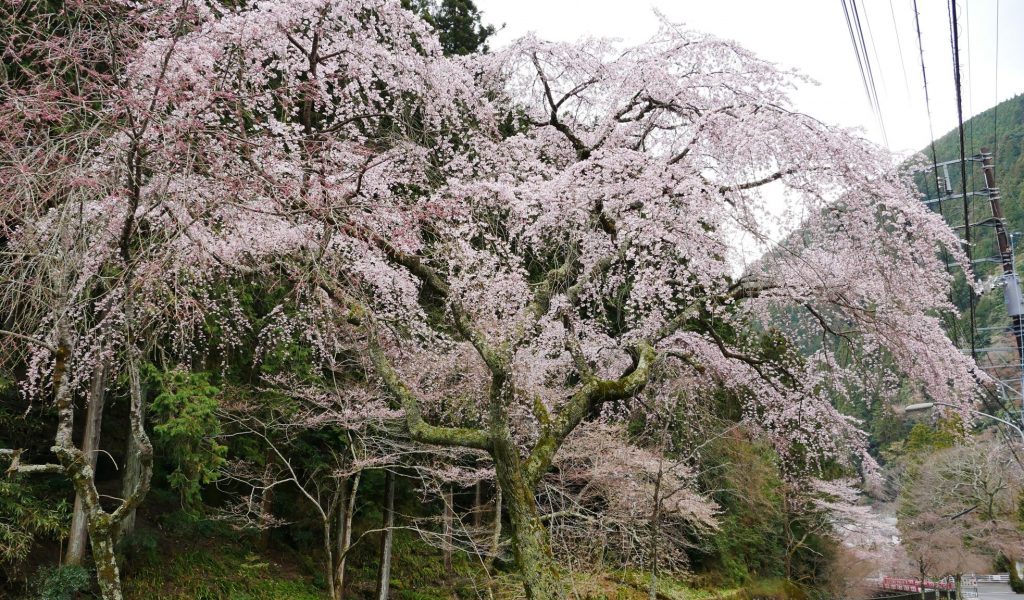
{"type": "Point", "coordinates": [134, 470]}
{"type": "Point", "coordinates": [102, 541]}
{"type": "Point", "coordinates": [384, 573]}
{"type": "Point", "coordinates": [656, 531]}
{"type": "Point", "coordinates": [449, 529]}
{"type": "Point", "coordinates": [348, 505]}
{"type": "Point", "coordinates": [478, 503]}
{"type": "Point", "coordinates": [328, 556]}
{"type": "Point", "coordinates": [78, 534]}
{"type": "Point", "coordinates": [531, 547]}
{"type": "Point", "coordinates": [496, 534]}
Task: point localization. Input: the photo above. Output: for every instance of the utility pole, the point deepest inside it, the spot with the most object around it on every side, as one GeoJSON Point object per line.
{"type": "Point", "coordinates": [1011, 287]}
{"type": "Point", "coordinates": [1012, 295]}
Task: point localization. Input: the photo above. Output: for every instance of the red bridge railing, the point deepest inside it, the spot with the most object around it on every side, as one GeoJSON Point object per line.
{"type": "Point", "coordinates": [914, 585]}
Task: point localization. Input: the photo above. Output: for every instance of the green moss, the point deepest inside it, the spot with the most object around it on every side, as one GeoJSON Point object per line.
{"type": "Point", "coordinates": [220, 572]}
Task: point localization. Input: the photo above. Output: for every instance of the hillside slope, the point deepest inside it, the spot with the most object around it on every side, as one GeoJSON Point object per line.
{"type": "Point", "coordinates": [999, 129]}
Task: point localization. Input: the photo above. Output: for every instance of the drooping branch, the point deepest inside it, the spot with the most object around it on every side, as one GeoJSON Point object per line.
{"type": "Point", "coordinates": [594, 393]}
{"type": "Point", "coordinates": [27, 338]}
{"type": "Point", "coordinates": [491, 357]}
{"type": "Point", "coordinates": [757, 182]}
{"type": "Point", "coordinates": [419, 429]}
{"type": "Point", "coordinates": [582, 152]}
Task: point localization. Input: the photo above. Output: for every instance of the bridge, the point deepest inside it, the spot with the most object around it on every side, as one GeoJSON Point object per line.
{"type": "Point", "coordinates": [980, 587]}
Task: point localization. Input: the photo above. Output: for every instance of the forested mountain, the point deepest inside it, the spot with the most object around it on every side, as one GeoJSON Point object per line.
{"type": "Point", "coordinates": [999, 130]}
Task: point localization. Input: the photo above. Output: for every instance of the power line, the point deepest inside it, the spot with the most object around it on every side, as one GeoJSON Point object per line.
{"type": "Point", "coordinates": [954, 326]}
{"type": "Point", "coordinates": [970, 82]}
{"type": "Point", "coordinates": [874, 50]}
{"type": "Point", "coordinates": [927, 98]}
{"type": "Point", "coordinates": [899, 46]}
{"type": "Point", "coordinates": [995, 106]}
{"type": "Point", "coordinates": [856, 51]}
{"type": "Point", "coordinates": [963, 160]}
{"type": "Point", "coordinates": [860, 49]}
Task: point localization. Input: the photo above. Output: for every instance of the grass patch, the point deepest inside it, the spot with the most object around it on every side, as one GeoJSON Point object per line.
{"type": "Point", "coordinates": [217, 572]}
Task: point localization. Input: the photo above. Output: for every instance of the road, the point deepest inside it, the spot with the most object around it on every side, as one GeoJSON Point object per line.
{"type": "Point", "coordinates": [996, 591]}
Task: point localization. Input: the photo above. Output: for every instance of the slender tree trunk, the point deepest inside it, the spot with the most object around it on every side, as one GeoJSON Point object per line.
{"type": "Point", "coordinates": [348, 505]}
{"type": "Point", "coordinates": [75, 464]}
{"type": "Point", "coordinates": [134, 470]}
{"type": "Point", "coordinates": [921, 564]}
{"type": "Point", "coordinates": [496, 532]}
{"type": "Point", "coordinates": [449, 529]}
{"type": "Point", "coordinates": [478, 504]}
{"type": "Point", "coordinates": [78, 534]}
{"type": "Point", "coordinates": [267, 501]}
{"type": "Point", "coordinates": [531, 547]}
{"type": "Point", "coordinates": [328, 555]}
{"type": "Point", "coordinates": [655, 532]}
{"type": "Point", "coordinates": [384, 574]}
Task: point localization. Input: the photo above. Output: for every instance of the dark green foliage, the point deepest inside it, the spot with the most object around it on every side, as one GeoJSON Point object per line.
{"type": "Point", "coordinates": [186, 427]}
{"type": "Point", "coordinates": [1001, 130]}
{"type": "Point", "coordinates": [32, 508]}
{"type": "Point", "coordinates": [61, 583]}
{"type": "Point", "coordinates": [752, 541]}
{"type": "Point", "coordinates": [457, 22]}
{"type": "Point", "coordinates": [225, 569]}
{"type": "Point", "coordinates": [141, 546]}
{"type": "Point", "coordinates": [1008, 564]}
{"type": "Point", "coordinates": [29, 511]}
{"type": "Point", "coordinates": [926, 438]}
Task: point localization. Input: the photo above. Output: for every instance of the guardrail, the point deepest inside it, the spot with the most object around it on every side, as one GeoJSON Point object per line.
{"type": "Point", "coordinates": [996, 578]}
{"type": "Point", "coordinates": [914, 585]}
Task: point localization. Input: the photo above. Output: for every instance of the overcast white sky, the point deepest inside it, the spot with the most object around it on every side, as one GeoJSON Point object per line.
{"type": "Point", "coordinates": [811, 36]}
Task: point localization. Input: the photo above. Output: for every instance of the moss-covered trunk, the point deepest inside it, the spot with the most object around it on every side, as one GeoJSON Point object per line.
{"type": "Point", "coordinates": [102, 542]}
{"type": "Point", "coordinates": [531, 547]}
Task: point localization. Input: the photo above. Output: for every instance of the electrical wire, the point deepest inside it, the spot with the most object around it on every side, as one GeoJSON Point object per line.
{"type": "Point", "coordinates": [899, 46]}
{"type": "Point", "coordinates": [927, 101]}
{"type": "Point", "coordinates": [868, 69]}
{"type": "Point", "coordinates": [995, 106]}
{"type": "Point", "coordinates": [955, 35]}
{"type": "Point", "coordinates": [951, 324]}
{"type": "Point", "coordinates": [857, 38]}
{"type": "Point", "coordinates": [856, 52]}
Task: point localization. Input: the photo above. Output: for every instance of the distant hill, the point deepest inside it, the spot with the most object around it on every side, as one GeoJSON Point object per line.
{"type": "Point", "coordinates": [1000, 129]}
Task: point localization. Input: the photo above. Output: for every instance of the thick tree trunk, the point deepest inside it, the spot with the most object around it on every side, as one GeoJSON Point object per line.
{"type": "Point", "coordinates": [531, 547]}
{"type": "Point", "coordinates": [78, 534]}
{"type": "Point", "coordinates": [384, 574]}
{"type": "Point", "coordinates": [449, 530]}
{"type": "Point", "coordinates": [102, 541]}
{"type": "Point", "coordinates": [348, 506]}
